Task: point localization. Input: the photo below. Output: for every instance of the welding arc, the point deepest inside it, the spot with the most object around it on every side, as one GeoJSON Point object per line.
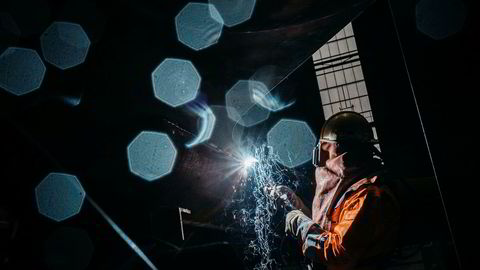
{"type": "Point", "coordinates": [123, 235]}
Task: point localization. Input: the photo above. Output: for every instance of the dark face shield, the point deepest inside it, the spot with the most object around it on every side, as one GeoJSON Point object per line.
{"type": "Point", "coordinates": [316, 156]}
{"type": "Point", "coordinates": [319, 156]}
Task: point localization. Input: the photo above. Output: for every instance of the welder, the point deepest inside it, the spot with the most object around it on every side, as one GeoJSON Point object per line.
{"type": "Point", "coordinates": [354, 218]}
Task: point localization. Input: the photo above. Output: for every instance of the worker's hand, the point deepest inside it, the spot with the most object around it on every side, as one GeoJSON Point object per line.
{"type": "Point", "coordinates": [287, 198]}
{"type": "Point", "coordinates": [297, 224]}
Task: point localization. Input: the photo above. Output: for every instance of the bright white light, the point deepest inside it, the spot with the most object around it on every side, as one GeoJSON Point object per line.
{"type": "Point", "coordinates": [249, 161]}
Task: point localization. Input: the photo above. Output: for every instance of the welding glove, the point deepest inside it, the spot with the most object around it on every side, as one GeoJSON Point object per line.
{"type": "Point", "coordinates": [288, 199]}
{"type": "Point", "coordinates": [297, 224]}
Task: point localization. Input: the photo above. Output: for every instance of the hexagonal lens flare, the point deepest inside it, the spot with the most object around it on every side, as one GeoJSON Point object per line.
{"type": "Point", "coordinates": [293, 140]}
{"type": "Point", "coordinates": [64, 44]}
{"type": "Point", "coordinates": [240, 106]}
{"type": "Point", "coordinates": [440, 19]}
{"type": "Point", "coordinates": [59, 196]}
{"type": "Point", "coordinates": [198, 25]}
{"type": "Point", "coordinates": [21, 70]}
{"type": "Point", "coordinates": [234, 12]}
{"type": "Point", "coordinates": [151, 155]}
{"type": "Point", "coordinates": [176, 81]}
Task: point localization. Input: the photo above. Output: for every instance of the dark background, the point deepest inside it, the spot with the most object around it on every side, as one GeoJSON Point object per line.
{"type": "Point", "coordinates": [442, 76]}
{"type": "Point", "coordinates": [41, 134]}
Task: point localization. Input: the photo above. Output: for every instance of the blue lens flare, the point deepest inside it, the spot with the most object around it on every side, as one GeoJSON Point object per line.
{"type": "Point", "coordinates": [234, 12]}
{"type": "Point", "coordinates": [240, 106]}
{"type": "Point", "coordinates": [59, 196]}
{"type": "Point", "coordinates": [65, 45]}
{"type": "Point", "coordinates": [21, 70]}
{"type": "Point", "coordinates": [262, 96]}
{"type": "Point", "coordinates": [293, 140]}
{"type": "Point", "coordinates": [175, 81]}
{"type": "Point", "coordinates": [151, 155]}
{"type": "Point", "coordinates": [207, 123]}
{"type": "Point", "coordinates": [198, 25]}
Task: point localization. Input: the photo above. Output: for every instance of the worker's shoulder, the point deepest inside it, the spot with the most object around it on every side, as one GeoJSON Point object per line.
{"type": "Point", "coordinates": [374, 193]}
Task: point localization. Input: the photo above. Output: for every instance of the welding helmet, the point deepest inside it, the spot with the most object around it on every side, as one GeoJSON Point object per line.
{"type": "Point", "coordinates": [344, 128]}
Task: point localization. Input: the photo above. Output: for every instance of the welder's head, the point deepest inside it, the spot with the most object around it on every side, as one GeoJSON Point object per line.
{"type": "Point", "coordinates": [344, 132]}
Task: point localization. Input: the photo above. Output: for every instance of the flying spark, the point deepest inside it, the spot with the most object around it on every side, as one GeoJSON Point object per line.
{"type": "Point", "coordinates": [254, 208]}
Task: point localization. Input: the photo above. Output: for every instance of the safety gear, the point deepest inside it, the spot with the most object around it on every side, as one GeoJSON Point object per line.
{"type": "Point", "coordinates": [297, 224]}
{"type": "Point", "coordinates": [287, 198]}
{"type": "Point", "coordinates": [355, 218]}
{"type": "Point", "coordinates": [345, 127]}
{"type": "Point", "coordinates": [348, 127]}
{"type": "Point", "coordinates": [363, 226]}
{"type": "Point", "coordinates": [332, 180]}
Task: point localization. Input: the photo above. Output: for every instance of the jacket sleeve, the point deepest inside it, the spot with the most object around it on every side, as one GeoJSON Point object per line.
{"type": "Point", "coordinates": [360, 225]}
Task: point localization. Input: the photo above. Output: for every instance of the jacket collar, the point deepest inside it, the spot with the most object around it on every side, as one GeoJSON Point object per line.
{"type": "Point", "coordinates": [340, 179]}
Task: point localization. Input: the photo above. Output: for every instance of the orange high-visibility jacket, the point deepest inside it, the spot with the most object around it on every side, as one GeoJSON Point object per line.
{"type": "Point", "coordinates": [361, 228]}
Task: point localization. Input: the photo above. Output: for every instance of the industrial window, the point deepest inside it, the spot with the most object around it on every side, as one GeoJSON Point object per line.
{"type": "Point", "coordinates": [340, 77]}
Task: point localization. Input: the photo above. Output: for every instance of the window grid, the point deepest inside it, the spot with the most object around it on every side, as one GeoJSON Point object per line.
{"type": "Point", "coordinates": [343, 67]}
{"type": "Point", "coordinates": [340, 77]}
{"type": "Point", "coordinates": [319, 54]}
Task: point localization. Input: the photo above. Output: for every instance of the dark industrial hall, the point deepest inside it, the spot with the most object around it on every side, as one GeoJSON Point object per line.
{"type": "Point", "coordinates": [237, 134]}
